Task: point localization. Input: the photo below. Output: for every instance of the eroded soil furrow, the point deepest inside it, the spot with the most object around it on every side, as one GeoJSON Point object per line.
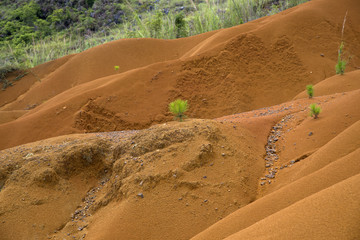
{"type": "Point", "coordinates": [272, 163]}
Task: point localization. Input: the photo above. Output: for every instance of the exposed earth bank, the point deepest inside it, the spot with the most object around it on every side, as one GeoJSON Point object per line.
{"type": "Point", "coordinates": [90, 153]}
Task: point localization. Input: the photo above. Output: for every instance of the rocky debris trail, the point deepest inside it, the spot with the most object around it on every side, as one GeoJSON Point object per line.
{"type": "Point", "coordinates": [272, 165]}
{"type": "Point", "coordinates": [76, 227]}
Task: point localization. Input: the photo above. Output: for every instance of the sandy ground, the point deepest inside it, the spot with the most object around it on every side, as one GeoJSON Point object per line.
{"type": "Point", "coordinates": [92, 153]}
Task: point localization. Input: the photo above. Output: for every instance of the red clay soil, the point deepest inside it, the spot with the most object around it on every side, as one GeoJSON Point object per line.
{"type": "Point", "coordinates": [219, 73]}
{"type": "Point", "coordinates": [262, 168]}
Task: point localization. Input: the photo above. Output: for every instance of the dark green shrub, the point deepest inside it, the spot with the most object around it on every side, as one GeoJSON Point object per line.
{"type": "Point", "coordinates": [178, 108]}
{"type": "Point", "coordinates": [155, 24]}
{"type": "Point", "coordinates": [26, 14]}
{"type": "Point", "coordinates": [90, 3]}
{"type": "Point", "coordinates": [42, 28]}
{"type": "Point", "coordinates": [180, 25]}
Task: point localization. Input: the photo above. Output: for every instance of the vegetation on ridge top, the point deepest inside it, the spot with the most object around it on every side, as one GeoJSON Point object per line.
{"type": "Point", "coordinates": [37, 31]}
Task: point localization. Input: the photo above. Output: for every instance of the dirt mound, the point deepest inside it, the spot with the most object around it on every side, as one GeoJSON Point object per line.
{"type": "Point", "coordinates": [220, 73]}
{"type": "Point", "coordinates": [196, 169]}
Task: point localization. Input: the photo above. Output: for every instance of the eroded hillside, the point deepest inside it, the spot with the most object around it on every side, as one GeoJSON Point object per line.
{"type": "Point", "coordinates": [89, 153]}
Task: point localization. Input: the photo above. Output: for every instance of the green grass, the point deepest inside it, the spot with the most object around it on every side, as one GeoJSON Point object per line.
{"type": "Point", "coordinates": [213, 15]}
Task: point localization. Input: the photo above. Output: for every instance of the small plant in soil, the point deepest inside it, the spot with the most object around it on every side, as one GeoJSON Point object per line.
{"type": "Point", "coordinates": [310, 90]}
{"type": "Point", "coordinates": [341, 64]}
{"type": "Point", "coordinates": [178, 108]}
{"type": "Point", "coordinates": [314, 110]}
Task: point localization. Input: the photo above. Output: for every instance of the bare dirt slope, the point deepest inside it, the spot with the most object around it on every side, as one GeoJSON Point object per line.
{"type": "Point", "coordinates": [118, 181]}
{"type": "Point", "coordinates": [306, 166]}
{"type": "Point", "coordinates": [199, 178]}
{"type": "Point", "coordinates": [220, 73]}
{"type": "Point", "coordinates": [261, 168]}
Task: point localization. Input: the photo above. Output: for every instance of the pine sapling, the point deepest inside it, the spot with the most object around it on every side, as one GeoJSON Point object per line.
{"type": "Point", "coordinates": [314, 110]}
{"type": "Point", "coordinates": [178, 108]}
{"type": "Point", "coordinates": [310, 90]}
{"type": "Point", "coordinates": [341, 64]}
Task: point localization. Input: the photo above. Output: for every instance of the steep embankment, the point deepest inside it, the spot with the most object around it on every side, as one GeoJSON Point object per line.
{"type": "Point", "coordinates": [111, 183]}
{"type": "Point", "coordinates": [220, 73]}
